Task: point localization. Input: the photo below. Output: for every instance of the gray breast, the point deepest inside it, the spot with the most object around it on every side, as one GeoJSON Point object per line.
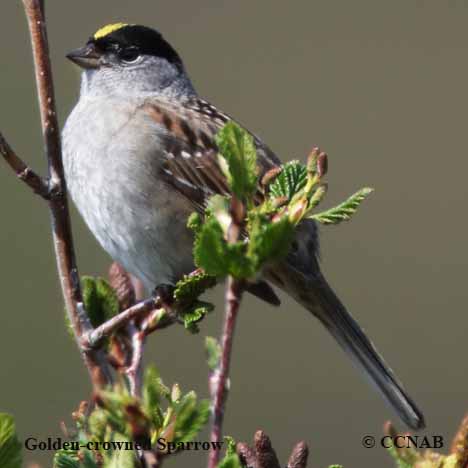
{"type": "Point", "coordinates": [111, 159]}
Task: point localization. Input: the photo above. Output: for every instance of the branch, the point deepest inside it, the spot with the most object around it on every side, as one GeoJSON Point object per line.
{"type": "Point", "coordinates": [61, 229]}
{"type": "Point", "coordinates": [219, 378]}
{"type": "Point", "coordinates": [93, 337]}
{"type": "Point", "coordinates": [134, 370]}
{"type": "Point", "coordinates": [23, 171]}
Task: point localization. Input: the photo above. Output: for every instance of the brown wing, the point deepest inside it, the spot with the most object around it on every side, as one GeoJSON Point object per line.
{"type": "Point", "coordinates": [190, 163]}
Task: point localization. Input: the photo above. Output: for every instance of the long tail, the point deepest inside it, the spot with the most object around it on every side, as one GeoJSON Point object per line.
{"type": "Point", "coordinates": [313, 292]}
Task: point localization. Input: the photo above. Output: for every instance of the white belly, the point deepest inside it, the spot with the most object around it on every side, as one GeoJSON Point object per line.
{"type": "Point", "coordinates": [112, 178]}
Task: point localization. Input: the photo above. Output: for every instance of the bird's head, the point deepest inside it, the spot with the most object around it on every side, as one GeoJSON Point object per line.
{"type": "Point", "coordinates": [130, 59]}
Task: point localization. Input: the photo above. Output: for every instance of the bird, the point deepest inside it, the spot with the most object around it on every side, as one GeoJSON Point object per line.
{"type": "Point", "coordinates": [140, 155]}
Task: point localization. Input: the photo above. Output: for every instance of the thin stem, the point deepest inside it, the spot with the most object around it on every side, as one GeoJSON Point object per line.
{"type": "Point", "coordinates": [220, 377]}
{"type": "Point", "coordinates": [61, 229]}
{"type": "Point", "coordinates": [92, 338]}
{"type": "Point", "coordinates": [23, 171]}
{"type": "Point", "coordinates": [134, 370]}
{"type": "Point", "coordinates": [234, 290]}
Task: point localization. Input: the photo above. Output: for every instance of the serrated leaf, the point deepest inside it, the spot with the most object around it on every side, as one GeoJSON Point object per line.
{"type": "Point", "coordinates": [344, 211]}
{"type": "Point", "coordinates": [213, 352]}
{"type": "Point", "coordinates": [231, 445]}
{"type": "Point", "coordinates": [194, 222]}
{"type": "Point", "coordinates": [210, 249]}
{"type": "Point", "coordinates": [90, 300]}
{"type": "Point", "coordinates": [186, 294]}
{"type": "Point", "coordinates": [66, 459]}
{"type": "Point", "coordinates": [217, 257]}
{"type": "Point", "coordinates": [99, 299]}
{"type": "Point", "coordinates": [107, 298]}
{"type": "Point", "coordinates": [195, 313]}
{"type": "Point", "coordinates": [10, 446]}
{"type": "Point", "coordinates": [191, 417]}
{"type": "Point", "coordinates": [290, 181]}
{"type": "Point", "coordinates": [190, 287]}
{"type": "Point", "coordinates": [269, 241]}
{"type": "Point", "coordinates": [231, 459]}
{"type": "Point", "coordinates": [238, 150]}
{"type": "Point", "coordinates": [317, 196]}
{"type": "Point", "coordinates": [151, 394]}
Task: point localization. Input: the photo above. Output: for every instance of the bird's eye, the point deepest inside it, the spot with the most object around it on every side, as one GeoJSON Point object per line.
{"type": "Point", "coordinates": [129, 55]}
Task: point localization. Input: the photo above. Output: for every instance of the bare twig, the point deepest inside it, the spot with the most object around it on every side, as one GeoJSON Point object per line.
{"type": "Point", "coordinates": [134, 370]}
{"type": "Point", "coordinates": [220, 377]}
{"type": "Point", "coordinates": [92, 338]}
{"type": "Point", "coordinates": [61, 229]}
{"type": "Point", "coordinates": [24, 172]}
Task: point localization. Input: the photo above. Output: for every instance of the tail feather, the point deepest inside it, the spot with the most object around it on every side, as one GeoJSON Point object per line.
{"type": "Point", "coordinates": [313, 292]}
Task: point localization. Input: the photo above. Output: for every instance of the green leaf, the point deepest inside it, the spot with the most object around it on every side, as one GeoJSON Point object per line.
{"type": "Point", "coordinates": [121, 458]}
{"type": "Point", "coordinates": [231, 459]}
{"type": "Point", "coordinates": [194, 222]}
{"type": "Point", "coordinates": [90, 299]}
{"type": "Point", "coordinates": [217, 257]}
{"type": "Point", "coordinates": [213, 352]}
{"type": "Point", "coordinates": [219, 206]}
{"type": "Point", "coordinates": [97, 423]}
{"type": "Point", "coordinates": [153, 390]}
{"type": "Point", "coordinates": [66, 459]}
{"type": "Point", "coordinates": [399, 460]}
{"type": "Point", "coordinates": [88, 460]}
{"type": "Point", "coordinates": [240, 159]}
{"type": "Point", "coordinates": [343, 211]}
{"type": "Point", "coordinates": [317, 196]}
{"type": "Point", "coordinates": [268, 241]}
{"type": "Point", "coordinates": [210, 249]}
{"type": "Point", "coordinates": [10, 446]}
{"type": "Point", "coordinates": [239, 264]}
{"type": "Point", "coordinates": [116, 404]}
{"type": "Point", "coordinates": [99, 299]}
{"type": "Point", "coordinates": [194, 314]}
{"type": "Point", "coordinates": [191, 417]}
{"type": "Point", "coordinates": [186, 294]}
{"type": "Point", "coordinates": [108, 299]}
{"type": "Point", "coordinates": [191, 287]}
{"type": "Point", "coordinates": [290, 181]}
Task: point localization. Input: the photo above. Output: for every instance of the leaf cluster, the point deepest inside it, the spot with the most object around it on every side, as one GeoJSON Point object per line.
{"type": "Point", "coordinates": [161, 412]}
{"type": "Point", "coordinates": [10, 446]}
{"type": "Point", "coordinates": [186, 296]}
{"type": "Point", "coordinates": [266, 211]}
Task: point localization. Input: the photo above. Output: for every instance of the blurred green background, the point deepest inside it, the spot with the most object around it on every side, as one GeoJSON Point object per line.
{"type": "Point", "coordinates": [381, 86]}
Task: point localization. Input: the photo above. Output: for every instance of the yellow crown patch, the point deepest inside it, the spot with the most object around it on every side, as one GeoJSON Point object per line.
{"type": "Point", "coordinates": [106, 30]}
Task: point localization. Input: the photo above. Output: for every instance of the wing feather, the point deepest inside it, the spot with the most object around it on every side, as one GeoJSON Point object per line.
{"type": "Point", "coordinates": [190, 163]}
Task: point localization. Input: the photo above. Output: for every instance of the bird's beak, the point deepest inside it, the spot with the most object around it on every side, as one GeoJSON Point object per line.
{"type": "Point", "coordinates": [85, 57]}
